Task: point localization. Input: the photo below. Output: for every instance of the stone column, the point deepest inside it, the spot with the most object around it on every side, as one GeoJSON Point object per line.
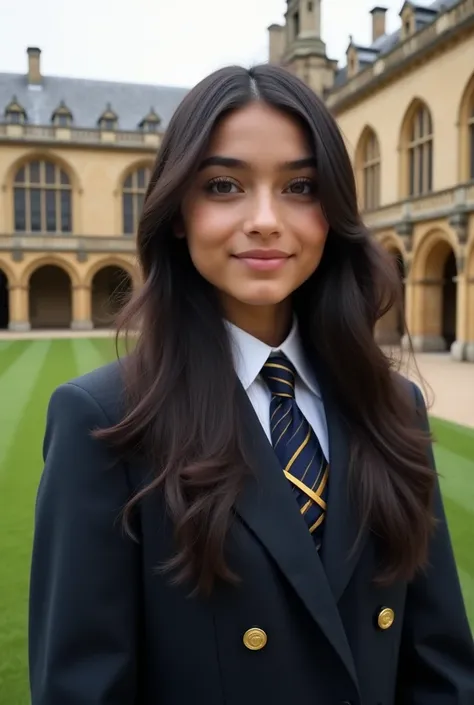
{"type": "Point", "coordinates": [424, 313]}
{"type": "Point", "coordinates": [19, 316]}
{"type": "Point", "coordinates": [469, 347]}
{"type": "Point", "coordinates": [458, 348]}
{"type": "Point", "coordinates": [81, 308]}
{"type": "Point", "coordinates": [459, 221]}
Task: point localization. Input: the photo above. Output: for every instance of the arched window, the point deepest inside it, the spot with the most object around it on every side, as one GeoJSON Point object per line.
{"type": "Point", "coordinates": [466, 133]}
{"type": "Point", "coordinates": [133, 194]}
{"type": "Point", "coordinates": [42, 198]}
{"type": "Point", "coordinates": [420, 152]}
{"type": "Point", "coordinates": [370, 171]}
{"type": "Point", "coordinates": [470, 129]}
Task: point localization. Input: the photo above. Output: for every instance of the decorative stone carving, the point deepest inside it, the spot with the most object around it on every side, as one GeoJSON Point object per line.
{"type": "Point", "coordinates": [405, 230]}
{"type": "Point", "coordinates": [459, 220]}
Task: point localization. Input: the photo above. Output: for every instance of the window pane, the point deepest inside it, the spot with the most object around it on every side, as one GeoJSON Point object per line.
{"type": "Point", "coordinates": [421, 170]}
{"type": "Point", "coordinates": [35, 208]}
{"type": "Point", "coordinates": [20, 176]}
{"type": "Point", "coordinates": [64, 178]}
{"type": "Point", "coordinates": [412, 172]}
{"type": "Point", "coordinates": [66, 219]}
{"type": "Point", "coordinates": [141, 178]}
{"type": "Point", "coordinates": [50, 174]}
{"type": "Point", "coordinates": [128, 224]}
{"type": "Point", "coordinates": [471, 151]}
{"type": "Point", "coordinates": [429, 147]}
{"type": "Point", "coordinates": [140, 197]}
{"type": "Point", "coordinates": [34, 172]}
{"type": "Point", "coordinates": [128, 182]}
{"type": "Point", "coordinates": [51, 210]}
{"type": "Point", "coordinates": [20, 209]}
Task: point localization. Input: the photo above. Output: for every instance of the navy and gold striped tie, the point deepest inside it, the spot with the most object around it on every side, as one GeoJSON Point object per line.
{"type": "Point", "coordinates": [296, 444]}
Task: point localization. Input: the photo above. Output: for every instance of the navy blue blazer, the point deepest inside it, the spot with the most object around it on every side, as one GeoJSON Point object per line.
{"type": "Point", "coordinates": [107, 629]}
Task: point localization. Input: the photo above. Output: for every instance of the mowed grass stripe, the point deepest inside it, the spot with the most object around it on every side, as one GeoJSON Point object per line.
{"type": "Point", "coordinates": [461, 524]}
{"type": "Point", "coordinates": [457, 476]}
{"type": "Point", "coordinates": [458, 439]}
{"type": "Point", "coordinates": [87, 355]}
{"type": "Point", "coordinates": [10, 353]}
{"type": "Point", "coordinates": [467, 584]}
{"type": "Point", "coordinates": [24, 464]}
{"type": "Point", "coordinates": [18, 378]}
{"type": "Point", "coordinates": [107, 348]}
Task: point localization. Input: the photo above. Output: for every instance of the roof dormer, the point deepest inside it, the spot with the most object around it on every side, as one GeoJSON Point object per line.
{"type": "Point", "coordinates": [62, 116]}
{"type": "Point", "coordinates": [108, 120]}
{"type": "Point", "coordinates": [15, 113]}
{"type": "Point", "coordinates": [151, 122]}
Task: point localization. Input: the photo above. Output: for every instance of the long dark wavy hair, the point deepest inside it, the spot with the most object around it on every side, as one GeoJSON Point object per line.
{"type": "Point", "coordinates": [181, 409]}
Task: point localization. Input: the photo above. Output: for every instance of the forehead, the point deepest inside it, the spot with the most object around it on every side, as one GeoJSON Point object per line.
{"type": "Point", "coordinates": [259, 130]}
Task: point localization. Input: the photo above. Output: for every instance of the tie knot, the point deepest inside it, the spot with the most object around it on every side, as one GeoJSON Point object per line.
{"type": "Point", "coordinates": [279, 376]}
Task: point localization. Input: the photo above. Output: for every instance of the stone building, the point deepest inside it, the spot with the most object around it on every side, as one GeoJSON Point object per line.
{"type": "Point", "coordinates": [75, 158]}
{"type": "Point", "coordinates": [405, 104]}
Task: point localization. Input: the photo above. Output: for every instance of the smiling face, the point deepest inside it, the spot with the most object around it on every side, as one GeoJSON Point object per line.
{"type": "Point", "coordinates": [252, 218]}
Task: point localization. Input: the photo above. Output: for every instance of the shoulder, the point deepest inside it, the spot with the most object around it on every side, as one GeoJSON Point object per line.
{"type": "Point", "coordinates": [411, 389]}
{"type": "Point", "coordinates": [99, 392]}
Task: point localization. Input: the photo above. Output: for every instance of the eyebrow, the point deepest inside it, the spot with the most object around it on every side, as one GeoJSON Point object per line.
{"type": "Point", "coordinates": [232, 163]}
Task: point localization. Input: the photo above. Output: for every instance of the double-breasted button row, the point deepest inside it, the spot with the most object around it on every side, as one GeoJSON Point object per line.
{"type": "Point", "coordinates": [256, 639]}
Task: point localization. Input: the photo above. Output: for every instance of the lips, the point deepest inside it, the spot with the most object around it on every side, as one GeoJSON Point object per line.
{"type": "Point", "coordinates": [263, 254]}
{"type": "Point", "coordinates": [263, 260]}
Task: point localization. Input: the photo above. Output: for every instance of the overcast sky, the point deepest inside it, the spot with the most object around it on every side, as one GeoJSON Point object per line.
{"type": "Point", "coordinates": [170, 42]}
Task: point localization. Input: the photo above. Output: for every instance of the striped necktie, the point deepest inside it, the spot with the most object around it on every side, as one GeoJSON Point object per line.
{"type": "Point", "coordinates": [296, 445]}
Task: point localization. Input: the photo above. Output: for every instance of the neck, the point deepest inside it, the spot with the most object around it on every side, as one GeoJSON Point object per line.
{"type": "Point", "coordinates": [270, 324]}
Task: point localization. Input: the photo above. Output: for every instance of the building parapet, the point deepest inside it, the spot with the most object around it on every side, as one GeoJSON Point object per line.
{"type": "Point", "coordinates": [457, 18]}
{"type": "Point", "coordinates": [72, 136]}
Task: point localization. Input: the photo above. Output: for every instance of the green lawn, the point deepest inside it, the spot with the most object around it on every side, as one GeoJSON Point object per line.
{"type": "Point", "coordinates": [29, 371]}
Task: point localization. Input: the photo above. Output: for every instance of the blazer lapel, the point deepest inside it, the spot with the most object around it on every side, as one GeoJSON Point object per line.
{"type": "Point", "coordinates": [268, 508]}
{"type": "Point", "coordinates": [340, 550]}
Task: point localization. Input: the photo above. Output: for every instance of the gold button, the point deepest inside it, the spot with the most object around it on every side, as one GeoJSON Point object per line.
{"type": "Point", "coordinates": [255, 639]}
{"type": "Point", "coordinates": [386, 618]}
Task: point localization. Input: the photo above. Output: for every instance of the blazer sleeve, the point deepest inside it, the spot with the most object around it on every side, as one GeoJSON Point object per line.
{"type": "Point", "coordinates": [437, 650]}
{"type": "Point", "coordinates": [83, 609]}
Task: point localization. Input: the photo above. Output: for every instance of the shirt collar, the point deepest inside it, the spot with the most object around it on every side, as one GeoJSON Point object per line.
{"type": "Point", "coordinates": [250, 354]}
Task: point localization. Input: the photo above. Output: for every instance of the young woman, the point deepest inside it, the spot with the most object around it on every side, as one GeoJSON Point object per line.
{"type": "Point", "coordinates": [245, 508]}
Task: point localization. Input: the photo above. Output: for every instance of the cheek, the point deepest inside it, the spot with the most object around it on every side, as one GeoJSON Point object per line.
{"type": "Point", "coordinates": [313, 228]}
{"type": "Point", "coordinates": [207, 226]}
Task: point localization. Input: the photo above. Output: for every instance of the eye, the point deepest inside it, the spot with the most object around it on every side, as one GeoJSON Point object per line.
{"type": "Point", "coordinates": [302, 187]}
{"type": "Point", "coordinates": [222, 187]}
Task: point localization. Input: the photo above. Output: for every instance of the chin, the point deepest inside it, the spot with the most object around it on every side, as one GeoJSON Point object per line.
{"type": "Point", "coordinates": [268, 297]}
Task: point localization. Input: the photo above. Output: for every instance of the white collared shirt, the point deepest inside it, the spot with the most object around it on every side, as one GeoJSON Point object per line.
{"type": "Point", "coordinates": [250, 354]}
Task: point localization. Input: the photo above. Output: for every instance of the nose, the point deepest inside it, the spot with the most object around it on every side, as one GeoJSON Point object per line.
{"type": "Point", "coordinates": [263, 218]}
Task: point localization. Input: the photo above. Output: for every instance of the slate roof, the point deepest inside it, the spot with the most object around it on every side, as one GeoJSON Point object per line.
{"type": "Point", "coordinates": [88, 99]}
{"type": "Point", "coordinates": [383, 45]}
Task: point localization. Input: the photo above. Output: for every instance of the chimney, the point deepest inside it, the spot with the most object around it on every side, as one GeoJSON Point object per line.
{"type": "Point", "coordinates": [34, 67]}
{"type": "Point", "coordinates": [378, 22]}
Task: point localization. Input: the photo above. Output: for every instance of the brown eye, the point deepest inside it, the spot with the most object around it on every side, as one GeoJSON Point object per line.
{"type": "Point", "coordinates": [302, 187]}
{"type": "Point", "coordinates": [222, 187]}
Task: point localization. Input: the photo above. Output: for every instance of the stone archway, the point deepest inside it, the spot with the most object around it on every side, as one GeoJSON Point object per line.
{"type": "Point", "coordinates": [50, 299]}
{"type": "Point", "coordinates": [4, 301]}
{"type": "Point", "coordinates": [449, 300]}
{"type": "Point", "coordinates": [470, 306]}
{"type": "Point", "coordinates": [110, 289]}
{"type": "Point", "coordinates": [437, 298]}
{"type": "Point", "coordinates": [391, 327]}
